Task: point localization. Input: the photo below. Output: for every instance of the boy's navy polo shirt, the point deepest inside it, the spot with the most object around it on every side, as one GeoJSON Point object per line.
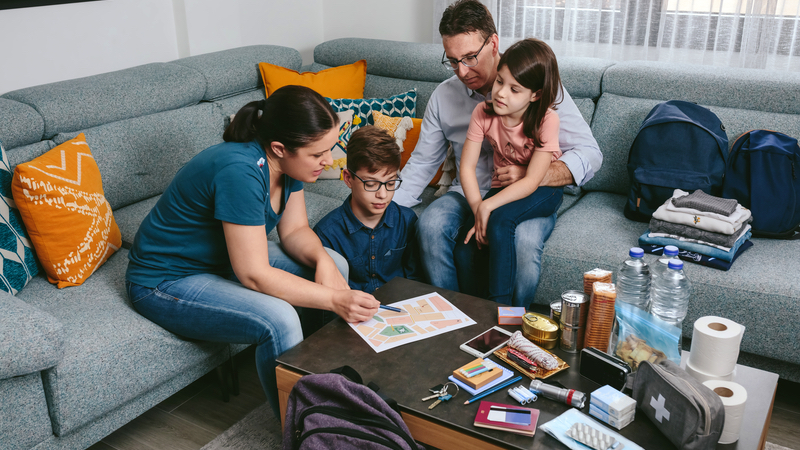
{"type": "Point", "coordinates": [183, 234]}
{"type": "Point", "coordinates": [375, 256]}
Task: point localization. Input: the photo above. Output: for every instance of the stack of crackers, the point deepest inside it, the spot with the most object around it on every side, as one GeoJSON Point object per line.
{"type": "Point", "coordinates": [601, 316]}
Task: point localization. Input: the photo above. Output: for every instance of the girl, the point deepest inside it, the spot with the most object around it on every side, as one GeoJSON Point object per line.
{"type": "Point", "coordinates": [201, 265]}
{"type": "Point", "coordinates": [522, 127]}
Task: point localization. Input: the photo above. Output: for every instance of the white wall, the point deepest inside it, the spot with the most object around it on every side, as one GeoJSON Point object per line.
{"type": "Point", "coordinates": [53, 43]}
{"type": "Point", "coordinates": [396, 20]}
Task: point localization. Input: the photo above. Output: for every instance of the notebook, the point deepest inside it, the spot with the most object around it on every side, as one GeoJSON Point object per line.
{"type": "Point", "coordinates": [499, 416]}
{"type": "Point", "coordinates": [507, 373]}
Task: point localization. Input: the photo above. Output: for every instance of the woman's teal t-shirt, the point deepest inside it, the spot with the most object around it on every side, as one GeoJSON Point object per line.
{"type": "Point", "coordinates": [183, 234]}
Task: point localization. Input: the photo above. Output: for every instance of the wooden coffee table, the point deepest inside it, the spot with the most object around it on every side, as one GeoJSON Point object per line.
{"type": "Point", "coordinates": [405, 373]}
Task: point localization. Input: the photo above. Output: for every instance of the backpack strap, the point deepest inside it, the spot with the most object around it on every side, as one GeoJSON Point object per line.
{"type": "Point", "coordinates": [389, 401]}
{"type": "Point", "coordinates": [349, 373]}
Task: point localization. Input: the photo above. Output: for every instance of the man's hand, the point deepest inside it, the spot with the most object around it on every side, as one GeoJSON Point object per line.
{"type": "Point", "coordinates": [557, 174]}
{"type": "Point", "coordinates": [354, 306]}
{"type": "Point", "coordinates": [327, 274]}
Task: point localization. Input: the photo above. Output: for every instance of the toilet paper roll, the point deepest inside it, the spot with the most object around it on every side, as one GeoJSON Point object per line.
{"type": "Point", "coordinates": [733, 396]}
{"type": "Point", "coordinates": [701, 376]}
{"type": "Point", "coordinates": [715, 345]}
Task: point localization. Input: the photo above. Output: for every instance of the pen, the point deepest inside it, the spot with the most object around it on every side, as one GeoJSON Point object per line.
{"type": "Point", "coordinates": [391, 308]}
{"type": "Point", "coordinates": [494, 389]}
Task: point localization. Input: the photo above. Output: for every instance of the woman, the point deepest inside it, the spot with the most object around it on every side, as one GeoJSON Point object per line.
{"type": "Point", "coordinates": [201, 265]}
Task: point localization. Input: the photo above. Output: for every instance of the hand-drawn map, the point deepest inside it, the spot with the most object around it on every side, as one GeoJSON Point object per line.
{"type": "Point", "coordinates": [427, 315]}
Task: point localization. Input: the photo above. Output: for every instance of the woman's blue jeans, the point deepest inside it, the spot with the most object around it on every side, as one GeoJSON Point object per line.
{"type": "Point", "coordinates": [213, 308]}
{"type": "Point", "coordinates": [501, 232]}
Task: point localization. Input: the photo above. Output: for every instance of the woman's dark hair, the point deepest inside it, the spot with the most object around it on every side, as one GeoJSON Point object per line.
{"type": "Point", "coordinates": [467, 16]}
{"type": "Point", "coordinates": [533, 64]}
{"type": "Point", "coordinates": [295, 116]}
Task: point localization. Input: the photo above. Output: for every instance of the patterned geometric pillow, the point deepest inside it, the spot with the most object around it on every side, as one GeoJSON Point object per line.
{"type": "Point", "coordinates": [401, 105]}
{"type": "Point", "coordinates": [339, 151]}
{"type": "Point", "coordinates": [17, 259]}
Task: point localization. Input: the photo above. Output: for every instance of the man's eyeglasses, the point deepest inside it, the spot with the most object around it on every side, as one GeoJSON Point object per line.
{"type": "Point", "coordinates": [375, 185]}
{"type": "Point", "coordinates": [467, 61]}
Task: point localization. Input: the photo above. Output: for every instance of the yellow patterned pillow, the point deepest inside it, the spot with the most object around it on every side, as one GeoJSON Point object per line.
{"type": "Point", "coordinates": [60, 198]}
{"type": "Point", "coordinates": [406, 131]}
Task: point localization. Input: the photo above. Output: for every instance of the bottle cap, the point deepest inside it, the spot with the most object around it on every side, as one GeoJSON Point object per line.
{"type": "Point", "coordinates": [636, 252]}
{"type": "Point", "coordinates": [676, 264]}
{"type": "Point", "coordinates": [671, 250]}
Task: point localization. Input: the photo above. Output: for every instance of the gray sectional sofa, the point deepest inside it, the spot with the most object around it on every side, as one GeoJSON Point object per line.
{"type": "Point", "coordinates": [77, 363]}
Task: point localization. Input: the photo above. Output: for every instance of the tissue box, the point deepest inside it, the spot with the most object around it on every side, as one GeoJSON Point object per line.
{"type": "Point", "coordinates": [510, 315]}
{"type": "Point", "coordinates": [613, 402]}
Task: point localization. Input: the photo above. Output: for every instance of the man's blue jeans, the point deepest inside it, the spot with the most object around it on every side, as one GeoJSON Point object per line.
{"type": "Point", "coordinates": [212, 308]}
{"type": "Point", "coordinates": [452, 265]}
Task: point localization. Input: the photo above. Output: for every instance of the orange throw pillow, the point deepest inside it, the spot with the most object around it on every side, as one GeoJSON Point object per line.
{"type": "Point", "coordinates": [60, 198]}
{"type": "Point", "coordinates": [337, 82]}
{"type": "Point", "coordinates": [410, 143]}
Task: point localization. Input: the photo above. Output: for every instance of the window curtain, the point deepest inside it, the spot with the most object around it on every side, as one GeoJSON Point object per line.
{"type": "Point", "coordinates": [762, 34]}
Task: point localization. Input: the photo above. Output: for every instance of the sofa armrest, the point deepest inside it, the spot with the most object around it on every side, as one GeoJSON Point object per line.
{"type": "Point", "coordinates": [30, 339]}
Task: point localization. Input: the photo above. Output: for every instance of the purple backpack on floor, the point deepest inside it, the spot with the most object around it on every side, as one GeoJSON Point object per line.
{"type": "Point", "coordinates": [329, 411]}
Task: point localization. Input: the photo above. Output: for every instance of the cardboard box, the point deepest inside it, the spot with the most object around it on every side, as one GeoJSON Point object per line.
{"type": "Point", "coordinates": [510, 315]}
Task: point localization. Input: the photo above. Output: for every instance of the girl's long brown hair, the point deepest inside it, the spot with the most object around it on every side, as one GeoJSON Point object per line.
{"type": "Point", "coordinates": [533, 64]}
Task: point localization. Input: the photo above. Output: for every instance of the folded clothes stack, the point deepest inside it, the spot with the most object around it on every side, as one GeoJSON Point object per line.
{"type": "Point", "coordinates": [709, 230]}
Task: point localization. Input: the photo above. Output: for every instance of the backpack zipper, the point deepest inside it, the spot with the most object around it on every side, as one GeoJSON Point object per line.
{"type": "Point", "coordinates": [344, 414]}
{"type": "Point", "coordinates": [351, 433]}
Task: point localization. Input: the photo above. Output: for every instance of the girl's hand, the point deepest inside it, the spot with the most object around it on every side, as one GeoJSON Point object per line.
{"type": "Point", "coordinates": [354, 306]}
{"type": "Point", "coordinates": [327, 274]}
{"type": "Point", "coordinates": [471, 233]}
{"type": "Point", "coordinates": [482, 223]}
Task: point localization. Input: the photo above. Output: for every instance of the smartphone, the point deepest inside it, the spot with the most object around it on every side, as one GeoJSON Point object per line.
{"type": "Point", "coordinates": [487, 342]}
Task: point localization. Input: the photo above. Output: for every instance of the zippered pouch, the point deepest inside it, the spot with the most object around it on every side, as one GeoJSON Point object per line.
{"type": "Point", "coordinates": [689, 414]}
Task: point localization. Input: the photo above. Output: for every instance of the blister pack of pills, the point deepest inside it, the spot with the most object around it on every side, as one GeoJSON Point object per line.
{"type": "Point", "coordinates": [593, 437]}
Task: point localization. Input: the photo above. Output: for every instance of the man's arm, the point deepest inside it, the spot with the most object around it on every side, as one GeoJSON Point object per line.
{"type": "Point", "coordinates": [428, 155]}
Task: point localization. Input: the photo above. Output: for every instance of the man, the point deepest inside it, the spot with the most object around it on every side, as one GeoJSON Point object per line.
{"type": "Point", "coordinates": [471, 49]}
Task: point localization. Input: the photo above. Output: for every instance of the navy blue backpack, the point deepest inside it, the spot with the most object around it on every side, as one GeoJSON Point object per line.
{"type": "Point", "coordinates": [680, 145]}
{"type": "Point", "coordinates": [764, 176]}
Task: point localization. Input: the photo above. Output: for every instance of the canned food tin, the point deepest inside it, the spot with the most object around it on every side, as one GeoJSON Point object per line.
{"type": "Point", "coordinates": [540, 329]}
{"type": "Point", "coordinates": [574, 308]}
{"type": "Point", "coordinates": [571, 338]}
{"type": "Point", "coordinates": [555, 310]}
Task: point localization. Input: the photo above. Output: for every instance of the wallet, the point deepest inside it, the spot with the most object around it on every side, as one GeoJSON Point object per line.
{"type": "Point", "coordinates": [604, 369]}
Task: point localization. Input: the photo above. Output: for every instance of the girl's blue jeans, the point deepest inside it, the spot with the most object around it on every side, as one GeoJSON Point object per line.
{"type": "Point", "coordinates": [500, 233]}
{"type": "Point", "coordinates": [213, 308]}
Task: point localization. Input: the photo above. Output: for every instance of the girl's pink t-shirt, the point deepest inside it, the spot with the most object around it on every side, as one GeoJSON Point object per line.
{"type": "Point", "coordinates": [510, 145]}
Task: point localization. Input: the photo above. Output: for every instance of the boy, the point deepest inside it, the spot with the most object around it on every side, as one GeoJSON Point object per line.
{"type": "Point", "coordinates": [376, 236]}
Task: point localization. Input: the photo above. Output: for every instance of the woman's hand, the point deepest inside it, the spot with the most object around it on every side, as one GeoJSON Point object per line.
{"type": "Point", "coordinates": [354, 306]}
{"type": "Point", "coordinates": [327, 274]}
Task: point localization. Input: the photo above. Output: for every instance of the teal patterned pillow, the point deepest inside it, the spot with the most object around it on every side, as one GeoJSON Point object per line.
{"type": "Point", "coordinates": [17, 260]}
{"type": "Point", "coordinates": [401, 105]}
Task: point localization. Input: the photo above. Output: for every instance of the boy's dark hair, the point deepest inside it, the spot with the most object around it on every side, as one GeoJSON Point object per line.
{"type": "Point", "coordinates": [467, 16]}
{"type": "Point", "coordinates": [373, 149]}
{"type": "Point", "coordinates": [533, 64]}
{"type": "Point", "coordinates": [295, 116]}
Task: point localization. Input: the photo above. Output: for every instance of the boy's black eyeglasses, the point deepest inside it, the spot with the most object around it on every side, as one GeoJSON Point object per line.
{"type": "Point", "coordinates": [375, 185]}
{"type": "Point", "coordinates": [467, 61]}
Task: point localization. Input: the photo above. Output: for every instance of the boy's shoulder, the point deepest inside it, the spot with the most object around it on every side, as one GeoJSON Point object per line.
{"type": "Point", "coordinates": [337, 215]}
{"type": "Point", "coordinates": [404, 213]}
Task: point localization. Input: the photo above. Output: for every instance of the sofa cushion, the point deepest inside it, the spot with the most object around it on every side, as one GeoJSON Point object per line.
{"type": "Point", "coordinates": [28, 152]}
{"type": "Point", "coordinates": [756, 89]}
{"type": "Point", "coordinates": [754, 292]}
{"type": "Point", "coordinates": [139, 157]}
{"type": "Point", "coordinates": [21, 124]}
{"type": "Point", "coordinates": [582, 77]}
{"type": "Point", "coordinates": [17, 261]}
{"type": "Point", "coordinates": [74, 105]}
{"type": "Point", "coordinates": [339, 150]}
{"type": "Point", "coordinates": [112, 354]}
{"type": "Point", "coordinates": [32, 340]}
{"type": "Point", "coordinates": [346, 81]}
{"type": "Point", "coordinates": [23, 412]}
{"type": "Point", "coordinates": [130, 217]}
{"type": "Point", "coordinates": [70, 223]}
{"type": "Point", "coordinates": [232, 105]}
{"type": "Point", "coordinates": [235, 71]}
{"type": "Point", "coordinates": [399, 105]}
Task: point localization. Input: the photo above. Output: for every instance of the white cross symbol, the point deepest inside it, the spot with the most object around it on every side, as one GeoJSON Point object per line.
{"type": "Point", "coordinates": [658, 405]}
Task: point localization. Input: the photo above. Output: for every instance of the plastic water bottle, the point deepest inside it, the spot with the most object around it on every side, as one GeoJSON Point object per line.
{"type": "Point", "coordinates": [633, 279]}
{"type": "Point", "coordinates": [660, 267]}
{"type": "Point", "coordinates": [671, 293]}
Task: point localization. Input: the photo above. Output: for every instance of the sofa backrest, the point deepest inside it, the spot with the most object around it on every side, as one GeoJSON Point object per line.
{"type": "Point", "coordinates": [743, 99]}
{"type": "Point", "coordinates": [142, 123]}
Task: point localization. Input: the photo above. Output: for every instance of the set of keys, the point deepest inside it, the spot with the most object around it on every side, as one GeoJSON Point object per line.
{"type": "Point", "coordinates": [440, 394]}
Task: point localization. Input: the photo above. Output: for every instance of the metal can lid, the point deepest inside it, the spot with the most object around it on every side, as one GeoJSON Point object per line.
{"type": "Point", "coordinates": [539, 326]}
{"type": "Point", "coordinates": [555, 305]}
{"type": "Point", "coordinates": [574, 296]}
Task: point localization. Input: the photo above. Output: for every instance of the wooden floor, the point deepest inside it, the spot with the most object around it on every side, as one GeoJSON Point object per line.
{"type": "Point", "coordinates": [194, 416]}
